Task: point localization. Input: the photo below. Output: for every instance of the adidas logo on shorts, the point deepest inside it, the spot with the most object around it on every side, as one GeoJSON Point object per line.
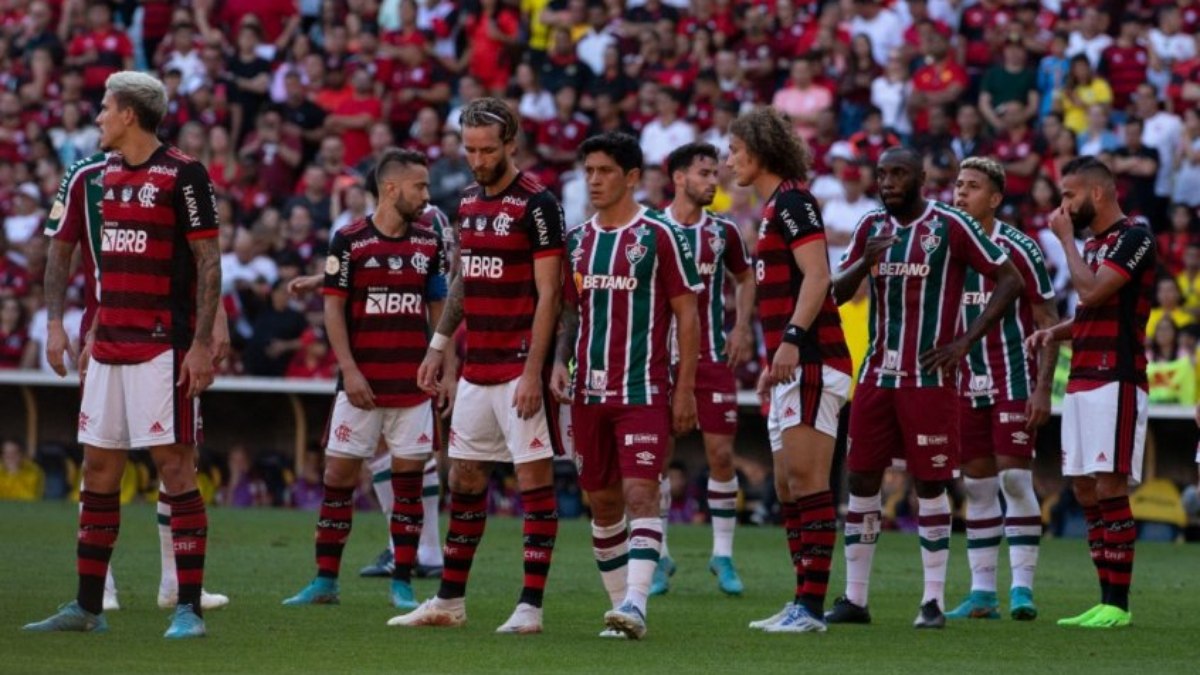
{"type": "Point", "coordinates": [424, 439]}
{"type": "Point", "coordinates": [156, 428]}
{"type": "Point", "coordinates": [536, 444]}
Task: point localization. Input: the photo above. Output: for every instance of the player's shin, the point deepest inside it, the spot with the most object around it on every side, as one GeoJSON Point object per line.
{"type": "Point", "coordinates": [645, 546]}
{"type": "Point", "coordinates": [1096, 547]}
{"type": "Point", "coordinates": [167, 584]}
{"type": "Point", "coordinates": [934, 531]}
{"type": "Point", "coordinates": [1022, 525]}
{"type": "Point", "coordinates": [1120, 533]}
{"type": "Point", "coordinates": [405, 522]}
{"type": "Point", "coordinates": [99, 524]}
{"type": "Point", "coordinates": [468, 518]}
{"type": "Point", "coordinates": [610, 547]}
{"type": "Point", "coordinates": [984, 528]}
{"type": "Point", "coordinates": [429, 552]}
{"type": "Point", "coordinates": [333, 529]}
{"type": "Point", "coordinates": [189, 533]}
{"type": "Point", "coordinates": [818, 535]}
{"type": "Point", "coordinates": [540, 529]}
{"type": "Point", "coordinates": [862, 533]}
{"type": "Point", "coordinates": [722, 506]}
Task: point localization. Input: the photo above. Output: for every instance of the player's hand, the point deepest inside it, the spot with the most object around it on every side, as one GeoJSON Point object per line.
{"type": "Point", "coordinates": [945, 358]}
{"type": "Point", "coordinates": [220, 335]}
{"type": "Point", "coordinates": [358, 390]}
{"type": "Point", "coordinates": [560, 383]}
{"type": "Point", "coordinates": [427, 372]}
{"type": "Point", "coordinates": [783, 367]}
{"type": "Point", "coordinates": [527, 399]}
{"type": "Point", "coordinates": [1040, 339]}
{"type": "Point", "coordinates": [763, 388]}
{"type": "Point", "coordinates": [877, 245]}
{"type": "Point", "coordinates": [1037, 409]}
{"type": "Point", "coordinates": [683, 411]}
{"type": "Point", "coordinates": [56, 343]}
{"type": "Point", "coordinates": [302, 286]}
{"type": "Point", "coordinates": [447, 390]}
{"type": "Point", "coordinates": [739, 346]}
{"type": "Point", "coordinates": [1061, 225]}
{"type": "Point", "coordinates": [196, 372]}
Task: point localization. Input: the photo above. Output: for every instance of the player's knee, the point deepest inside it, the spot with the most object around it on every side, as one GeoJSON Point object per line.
{"type": "Point", "coordinates": [642, 498]}
{"type": "Point", "coordinates": [608, 505]}
{"type": "Point", "coordinates": [927, 489]}
{"type": "Point", "coordinates": [1112, 486]}
{"type": "Point", "coordinates": [468, 477]}
{"type": "Point", "coordinates": [1085, 492]}
{"type": "Point", "coordinates": [1016, 483]}
{"type": "Point", "coordinates": [177, 476]}
{"type": "Point", "coordinates": [783, 489]}
{"type": "Point", "coordinates": [864, 484]}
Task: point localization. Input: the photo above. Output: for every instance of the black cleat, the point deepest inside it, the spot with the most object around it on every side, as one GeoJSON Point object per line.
{"type": "Point", "coordinates": [427, 571]}
{"type": "Point", "coordinates": [382, 567]}
{"type": "Point", "coordinates": [845, 611]}
{"type": "Point", "coordinates": [930, 616]}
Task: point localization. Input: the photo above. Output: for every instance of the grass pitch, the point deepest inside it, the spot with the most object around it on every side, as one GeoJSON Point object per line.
{"type": "Point", "coordinates": [258, 557]}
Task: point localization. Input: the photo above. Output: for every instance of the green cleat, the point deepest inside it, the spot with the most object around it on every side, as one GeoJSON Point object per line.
{"type": "Point", "coordinates": [1109, 616]}
{"type": "Point", "coordinates": [1020, 604]}
{"type": "Point", "coordinates": [978, 605]}
{"type": "Point", "coordinates": [402, 595]}
{"type": "Point", "coordinates": [727, 577]}
{"type": "Point", "coordinates": [70, 617]}
{"type": "Point", "coordinates": [660, 584]}
{"type": "Point", "coordinates": [1079, 620]}
{"type": "Point", "coordinates": [322, 591]}
{"type": "Point", "coordinates": [186, 624]}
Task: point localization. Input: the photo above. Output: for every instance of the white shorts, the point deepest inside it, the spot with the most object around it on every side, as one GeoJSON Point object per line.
{"type": "Point", "coordinates": [484, 426]}
{"type": "Point", "coordinates": [816, 402]}
{"type": "Point", "coordinates": [1104, 431]}
{"type": "Point", "coordinates": [354, 433]}
{"type": "Point", "coordinates": [137, 405]}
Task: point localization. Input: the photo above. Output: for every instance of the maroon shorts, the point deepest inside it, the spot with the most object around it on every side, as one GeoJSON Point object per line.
{"type": "Point", "coordinates": [917, 425]}
{"type": "Point", "coordinates": [997, 430]}
{"type": "Point", "coordinates": [716, 399]}
{"type": "Point", "coordinates": [614, 441]}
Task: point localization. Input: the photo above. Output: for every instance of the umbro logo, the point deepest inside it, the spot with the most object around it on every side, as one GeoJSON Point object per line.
{"type": "Point", "coordinates": [371, 263]}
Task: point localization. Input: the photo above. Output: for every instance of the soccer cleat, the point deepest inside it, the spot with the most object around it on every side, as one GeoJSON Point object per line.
{"type": "Point", "coordinates": [70, 617]}
{"type": "Point", "coordinates": [762, 624]}
{"type": "Point", "coordinates": [978, 605]}
{"type": "Point", "coordinates": [727, 577]}
{"type": "Point", "coordinates": [111, 604]}
{"type": "Point", "coordinates": [526, 619]}
{"type": "Point", "coordinates": [612, 633]}
{"type": "Point", "coordinates": [1020, 604]}
{"type": "Point", "coordinates": [665, 569]}
{"type": "Point", "coordinates": [322, 591]}
{"type": "Point", "coordinates": [628, 619]}
{"type": "Point", "coordinates": [797, 620]}
{"type": "Point", "coordinates": [185, 624]}
{"type": "Point", "coordinates": [1109, 616]}
{"type": "Point", "coordinates": [433, 612]}
{"type": "Point", "coordinates": [930, 616]}
{"type": "Point", "coordinates": [402, 595]}
{"type": "Point", "coordinates": [427, 571]}
{"type": "Point", "coordinates": [167, 599]}
{"type": "Point", "coordinates": [382, 567]}
{"type": "Point", "coordinates": [844, 611]}
{"type": "Point", "coordinates": [1082, 618]}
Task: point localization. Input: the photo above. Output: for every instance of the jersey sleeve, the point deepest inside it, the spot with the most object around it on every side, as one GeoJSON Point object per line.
{"type": "Point", "coordinates": [195, 202]}
{"type": "Point", "coordinates": [337, 267]}
{"type": "Point", "coordinates": [677, 263]}
{"type": "Point", "coordinates": [546, 224]}
{"type": "Point", "coordinates": [1133, 253]}
{"type": "Point", "coordinates": [798, 218]}
{"type": "Point", "coordinates": [436, 288]}
{"type": "Point", "coordinates": [570, 290]}
{"type": "Point", "coordinates": [858, 242]}
{"type": "Point", "coordinates": [968, 241]}
{"type": "Point", "coordinates": [736, 255]}
{"type": "Point", "coordinates": [68, 214]}
{"type": "Point", "coordinates": [1032, 265]}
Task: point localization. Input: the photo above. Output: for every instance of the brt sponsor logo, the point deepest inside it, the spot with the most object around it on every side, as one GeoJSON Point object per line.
{"type": "Point", "coordinates": [902, 269]}
{"type": "Point", "coordinates": [605, 282]}
{"type": "Point", "coordinates": [123, 241]}
{"type": "Point", "coordinates": [393, 303]}
{"type": "Point", "coordinates": [482, 267]}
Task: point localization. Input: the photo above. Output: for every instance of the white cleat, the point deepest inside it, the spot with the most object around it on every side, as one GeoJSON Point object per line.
{"type": "Point", "coordinates": [526, 619]}
{"type": "Point", "coordinates": [763, 624]}
{"type": "Point", "coordinates": [627, 619]}
{"type": "Point", "coordinates": [111, 604]}
{"type": "Point", "coordinates": [433, 612]}
{"type": "Point", "coordinates": [612, 634]}
{"type": "Point", "coordinates": [168, 599]}
{"type": "Point", "coordinates": [798, 620]}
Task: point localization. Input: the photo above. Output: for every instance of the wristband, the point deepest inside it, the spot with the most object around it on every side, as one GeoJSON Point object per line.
{"type": "Point", "coordinates": [794, 335]}
{"type": "Point", "coordinates": [439, 342]}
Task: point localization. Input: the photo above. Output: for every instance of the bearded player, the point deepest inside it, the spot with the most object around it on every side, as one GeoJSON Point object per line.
{"type": "Point", "coordinates": [1004, 402]}
{"type": "Point", "coordinates": [917, 253]}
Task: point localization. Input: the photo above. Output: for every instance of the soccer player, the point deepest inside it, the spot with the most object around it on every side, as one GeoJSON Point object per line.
{"type": "Point", "coordinates": [808, 380]}
{"type": "Point", "coordinates": [153, 346]}
{"type": "Point", "coordinates": [630, 273]}
{"type": "Point", "coordinates": [1106, 406]}
{"type": "Point", "coordinates": [383, 289]}
{"type": "Point", "coordinates": [719, 251]}
{"type": "Point", "coordinates": [76, 219]}
{"type": "Point", "coordinates": [508, 288]}
{"type": "Point", "coordinates": [1002, 406]}
{"type": "Point", "coordinates": [917, 253]}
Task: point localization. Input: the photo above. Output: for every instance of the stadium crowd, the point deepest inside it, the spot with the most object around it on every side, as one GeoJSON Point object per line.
{"type": "Point", "coordinates": [289, 102]}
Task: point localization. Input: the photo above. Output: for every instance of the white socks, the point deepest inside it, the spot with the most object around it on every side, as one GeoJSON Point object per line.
{"type": "Point", "coordinates": [610, 547]}
{"type": "Point", "coordinates": [169, 582]}
{"type": "Point", "coordinates": [984, 528]}
{"type": "Point", "coordinates": [934, 530]}
{"type": "Point", "coordinates": [722, 506]}
{"type": "Point", "coordinates": [862, 531]}
{"type": "Point", "coordinates": [664, 510]}
{"type": "Point", "coordinates": [645, 545]}
{"type": "Point", "coordinates": [1022, 525]}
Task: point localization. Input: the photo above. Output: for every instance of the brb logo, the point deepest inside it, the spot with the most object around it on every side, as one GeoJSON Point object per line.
{"type": "Point", "coordinates": [482, 267]}
{"type": "Point", "coordinates": [123, 241]}
{"type": "Point", "coordinates": [393, 303]}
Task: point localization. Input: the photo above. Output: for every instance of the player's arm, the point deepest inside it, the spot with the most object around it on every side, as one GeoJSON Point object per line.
{"type": "Point", "coordinates": [337, 286]}
{"type": "Point", "coordinates": [800, 224]}
{"type": "Point", "coordinates": [193, 208]}
{"type": "Point", "coordinates": [302, 286]}
{"type": "Point", "coordinates": [687, 335]}
{"type": "Point", "coordinates": [435, 299]}
{"type": "Point", "coordinates": [1045, 317]}
{"type": "Point", "coordinates": [1134, 250]}
{"type": "Point", "coordinates": [545, 227]}
{"type": "Point", "coordinates": [862, 255]}
{"type": "Point", "coordinates": [64, 227]}
{"type": "Point", "coordinates": [739, 347]}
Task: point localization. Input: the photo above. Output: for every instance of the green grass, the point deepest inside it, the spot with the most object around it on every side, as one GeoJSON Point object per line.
{"type": "Point", "coordinates": [260, 557]}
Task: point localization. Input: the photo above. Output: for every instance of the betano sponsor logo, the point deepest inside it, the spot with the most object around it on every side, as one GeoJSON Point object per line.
{"type": "Point", "coordinates": [972, 298]}
{"type": "Point", "coordinates": [902, 269]}
{"type": "Point", "coordinates": [607, 282]}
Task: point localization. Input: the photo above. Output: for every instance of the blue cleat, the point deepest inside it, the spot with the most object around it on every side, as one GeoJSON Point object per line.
{"type": "Point", "coordinates": [322, 591]}
{"type": "Point", "coordinates": [978, 605]}
{"type": "Point", "coordinates": [1020, 604]}
{"type": "Point", "coordinates": [382, 567]}
{"type": "Point", "coordinates": [70, 617]}
{"type": "Point", "coordinates": [727, 578]}
{"type": "Point", "coordinates": [402, 595]}
{"type": "Point", "coordinates": [627, 619]}
{"type": "Point", "coordinates": [185, 624]}
{"type": "Point", "coordinates": [660, 584]}
{"type": "Point", "coordinates": [798, 620]}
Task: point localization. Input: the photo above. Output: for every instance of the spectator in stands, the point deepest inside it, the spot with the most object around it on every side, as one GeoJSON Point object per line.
{"type": "Point", "coordinates": [21, 480]}
{"type": "Point", "coordinates": [1173, 243]}
{"type": "Point", "coordinates": [277, 153]}
{"type": "Point", "coordinates": [1171, 371]}
{"type": "Point", "coordinates": [802, 99]}
{"type": "Point", "coordinates": [1098, 137]}
{"type": "Point", "coordinates": [25, 218]}
{"type": "Point", "coordinates": [1136, 167]}
{"type": "Point", "coordinates": [250, 77]}
{"type": "Point", "coordinates": [890, 92]}
{"type": "Point", "coordinates": [353, 117]}
{"type": "Point", "coordinates": [1091, 38]}
{"type": "Point", "coordinates": [449, 175]}
{"type": "Point", "coordinates": [1187, 178]}
{"type": "Point", "coordinates": [302, 116]}
{"type": "Point", "coordinates": [221, 159]}
{"type": "Point", "coordinates": [1124, 64]}
{"type": "Point", "coordinates": [491, 30]}
{"type": "Point", "coordinates": [1062, 147]}
{"type": "Point", "coordinates": [939, 83]}
{"type": "Point", "coordinates": [1189, 278]}
{"type": "Point", "coordinates": [313, 360]}
{"type": "Point", "coordinates": [100, 51]}
{"type": "Point", "coordinates": [559, 138]}
{"type": "Point", "coordinates": [14, 333]}
{"type": "Point", "coordinates": [277, 331]}
{"type": "Point", "coordinates": [1011, 83]}
{"type": "Point", "coordinates": [666, 131]}
{"type": "Point", "coordinates": [1082, 90]}
{"type": "Point", "coordinates": [1168, 41]}
{"type": "Point", "coordinates": [37, 32]}
{"type": "Point", "coordinates": [842, 214]}
{"type": "Point", "coordinates": [883, 26]}
{"type": "Point", "coordinates": [300, 236]}
{"type": "Point", "coordinates": [307, 490]}
{"type": "Point", "coordinates": [1053, 71]}
{"type": "Point", "coordinates": [316, 196]}
{"type": "Point", "coordinates": [246, 265]}
{"type": "Point", "coordinates": [1170, 307]}
{"type": "Point", "coordinates": [971, 140]}
{"type": "Point", "coordinates": [537, 104]}
{"type": "Point", "coordinates": [242, 488]}
{"type": "Point", "coordinates": [1163, 131]}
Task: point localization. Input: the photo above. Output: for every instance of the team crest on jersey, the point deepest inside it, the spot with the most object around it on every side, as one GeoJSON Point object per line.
{"type": "Point", "coordinates": [502, 224]}
{"type": "Point", "coordinates": [126, 194]}
{"type": "Point", "coordinates": [395, 263]}
{"type": "Point", "coordinates": [981, 383]}
{"type": "Point", "coordinates": [635, 252]}
{"type": "Point", "coordinates": [109, 195]}
{"type": "Point", "coordinates": [420, 263]}
{"type": "Point", "coordinates": [930, 242]}
{"type": "Point", "coordinates": [717, 244]}
{"type": "Point", "coordinates": [480, 223]}
{"type": "Point", "coordinates": [146, 195]}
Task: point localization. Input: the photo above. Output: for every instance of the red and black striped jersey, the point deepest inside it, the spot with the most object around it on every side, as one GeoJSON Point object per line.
{"type": "Point", "coordinates": [500, 237]}
{"type": "Point", "coordinates": [791, 219]}
{"type": "Point", "coordinates": [1107, 340]}
{"type": "Point", "coordinates": [151, 212]}
{"type": "Point", "coordinates": [388, 283]}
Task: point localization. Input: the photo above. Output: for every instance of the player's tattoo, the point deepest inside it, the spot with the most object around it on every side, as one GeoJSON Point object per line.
{"type": "Point", "coordinates": [452, 313]}
{"type": "Point", "coordinates": [58, 268]}
{"type": "Point", "coordinates": [208, 286]}
{"type": "Point", "coordinates": [568, 330]}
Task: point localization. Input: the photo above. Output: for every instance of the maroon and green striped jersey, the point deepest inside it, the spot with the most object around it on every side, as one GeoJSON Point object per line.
{"type": "Point", "coordinates": [791, 219]}
{"type": "Point", "coordinates": [718, 247]}
{"type": "Point", "coordinates": [622, 281]}
{"type": "Point", "coordinates": [1106, 341]}
{"type": "Point", "coordinates": [916, 289]}
{"type": "Point", "coordinates": [998, 368]}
